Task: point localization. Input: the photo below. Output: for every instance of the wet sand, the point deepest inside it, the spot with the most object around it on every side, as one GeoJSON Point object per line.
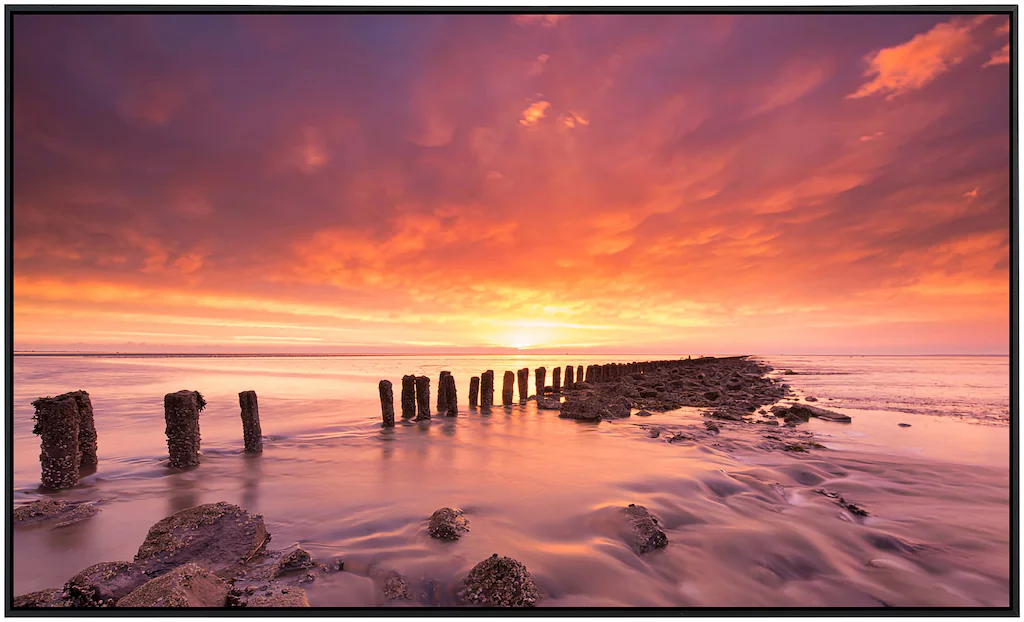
{"type": "Point", "coordinates": [745, 523]}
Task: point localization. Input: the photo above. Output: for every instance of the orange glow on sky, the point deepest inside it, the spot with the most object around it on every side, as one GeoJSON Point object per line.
{"type": "Point", "coordinates": [580, 183]}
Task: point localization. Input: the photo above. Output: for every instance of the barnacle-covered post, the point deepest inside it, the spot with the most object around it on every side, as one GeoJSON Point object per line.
{"type": "Point", "coordinates": [487, 389]}
{"type": "Point", "coordinates": [181, 416]}
{"type": "Point", "coordinates": [474, 390]}
{"type": "Point", "coordinates": [556, 380]}
{"type": "Point", "coordinates": [387, 404]}
{"type": "Point", "coordinates": [423, 398]}
{"type": "Point", "coordinates": [87, 457]}
{"type": "Point", "coordinates": [57, 422]}
{"type": "Point", "coordinates": [568, 377]}
{"type": "Point", "coordinates": [541, 377]}
{"type": "Point", "coordinates": [252, 433]}
{"type": "Point", "coordinates": [507, 386]}
{"type": "Point", "coordinates": [408, 397]}
{"type": "Point", "coordinates": [524, 381]}
{"type": "Point", "coordinates": [451, 397]}
{"type": "Point", "coordinates": [442, 390]}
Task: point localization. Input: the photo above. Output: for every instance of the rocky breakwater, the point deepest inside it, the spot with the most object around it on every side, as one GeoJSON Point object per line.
{"type": "Point", "coordinates": [730, 388]}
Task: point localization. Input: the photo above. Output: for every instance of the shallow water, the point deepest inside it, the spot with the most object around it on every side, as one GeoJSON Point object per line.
{"type": "Point", "coordinates": [745, 526]}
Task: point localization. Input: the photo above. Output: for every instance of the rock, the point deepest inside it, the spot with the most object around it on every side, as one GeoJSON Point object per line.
{"type": "Point", "coordinates": [789, 372]}
{"type": "Point", "coordinates": [711, 395]}
{"type": "Point", "coordinates": [64, 513]}
{"type": "Point", "coordinates": [103, 584]}
{"type": "Point", "coordinates": [643, 413]}
{"type": "Point", "coordinates": [447, 524]}
{"type": "Point", "coordinates": [712, 427]}
{"type": "Point", "coordinates": [903, 425]}
{"type": "Point", "coordinates": [647, 536]}
{"type": "Point", "coordinates": [654, 432]}
{"type": "Point", "coordinates": [500, 582]}
{"type": "Point", "coordinates": [220, 536]}
{"type": "Point", "coordinates": [648, 393]}
{"type": "Point", "coordinates": [189, 585]}
{"type": "Point", "coordinates": [595, 408]}
{"type": "Point", "coordinates": [277, 597]}
{"type": "Point", "coordinates": [395, 587]}
{"type": "Point", "coordinates": [299, 559]}
{"type": "Point", "coordinates": [798, 413]}
{"type": "Point", "coordinates": [812, 399]}
{"type": "Point", "coordinates": [40, 599]}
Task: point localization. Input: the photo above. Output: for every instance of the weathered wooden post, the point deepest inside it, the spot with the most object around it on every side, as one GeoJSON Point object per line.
{"type": "Point", "coordinates": [487, 389]}
{"type": "Point", "coordinates": [408, 397]}
{"type": "Point", "coordinates": [474, 390]}
{"type": "Point", "coordinates": [579, 373]}
{"type": "Point", "coordinates": [507, 386]}
{"type": "Point", "coordinates": [540, 376]}
{"type": "Point", "coordinates": [87, 457]}
{"type": "Point", "coordinates": [568, 377]}
{"type": "Point", "coordinates": [57, 422]}
{"type": "Point", "coordinates": [556, 380]}
{"type": "Point", "coordinates": [442, 390]}
{"type": "Point", "coordinates": [181, 416]}
{"type": "Point", "coordinates": [387, 404]}
{"type": "Point", "coordinates": [252, 433]}
{"type": "Point", "coordinates": [451, 397]}
{"type": "Point", "coordinates": [524, 380]}
{"type": "Point", "coordinates": [422, 398]}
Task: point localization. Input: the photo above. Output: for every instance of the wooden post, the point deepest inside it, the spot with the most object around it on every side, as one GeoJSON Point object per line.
{"type": "Point", "coordinates": [540, 375]}
{"type": "Point", "coordinates": [87, 457]}
{"type": "Point", "coordinates": [57, 422]}
{"type": "Point", "coordinates": [451, 397]}
{"type": "Point", "coordinates": [387, 404]}
{"type": "Point", "coordinates": [524, 380]}
{"type": "Point", "coordinates": [474, 390]}
{"type": "Point", "coordinates": [408, 397]}
{"type": "Point", "coordinates": [568, 377]}
{"type": "Point", "coordinates": [252, 433]}
{"type": "Point", "coordinates": [487, 389]}
{"type": "Point", "coordinates": [442, 390]}
{"type": "Point", "coordinates": [422, 398]}
{"type": "Point", "coordinates": [507, 386]}
{"type": "Point", "coordinates": [181, 416]}
{"type": "Point", "coordinates": [556, 380]}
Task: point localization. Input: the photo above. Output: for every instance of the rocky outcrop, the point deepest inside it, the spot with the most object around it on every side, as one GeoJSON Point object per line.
{"type": "Point", "coordinates": [56, 512]}
{"type": "Point", "coordinates": [500, 582]}
{"type": "Point", "coordinates": [219, 536]}
{"type": "Point", "coordinates": [188, 585]}
{"type": "Point", "coordinates": [447, 524]}
{"type": "Point", "coordinates": [646, 534]}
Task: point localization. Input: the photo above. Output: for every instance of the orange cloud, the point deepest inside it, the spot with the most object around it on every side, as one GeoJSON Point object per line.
{"type": "Point", "coordinates": [910, 66]}
{"type": "Point", "coordinates": [534, 113]}
{"type": "Point", "coordinates": [999, 57]}
{"type": "Point", "coordinates": [547, 21]}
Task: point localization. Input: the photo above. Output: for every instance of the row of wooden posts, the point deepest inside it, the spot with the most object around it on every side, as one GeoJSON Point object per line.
{"type": "Point", "coordinates": [68, 439]}
{"type": "Point", "coordinates": [415, 398]}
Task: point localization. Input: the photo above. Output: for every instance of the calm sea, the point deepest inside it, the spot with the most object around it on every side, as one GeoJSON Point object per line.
{"type": "Point", "coordinates": [538, 488]}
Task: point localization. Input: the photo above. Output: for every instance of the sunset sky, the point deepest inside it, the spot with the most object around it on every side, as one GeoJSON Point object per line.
{"type": "Point", "coordinates": [601, 183]}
